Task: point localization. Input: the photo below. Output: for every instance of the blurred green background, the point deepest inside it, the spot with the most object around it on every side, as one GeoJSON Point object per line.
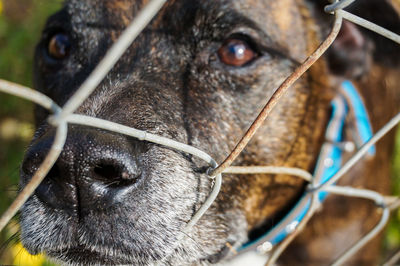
{"type": "Point", "coordinates": [21, 22]}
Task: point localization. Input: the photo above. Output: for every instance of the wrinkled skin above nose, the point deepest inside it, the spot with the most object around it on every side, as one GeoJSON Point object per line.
{"type": "Point", "coordinates": [93, 171]}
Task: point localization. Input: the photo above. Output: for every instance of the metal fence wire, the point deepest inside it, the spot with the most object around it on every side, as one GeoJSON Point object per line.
{"type": "Point", "coordinates": [62, 116]}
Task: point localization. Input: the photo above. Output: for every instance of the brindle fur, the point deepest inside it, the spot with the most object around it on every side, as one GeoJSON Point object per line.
{"type": "Point", "coordinates": [170, 82]}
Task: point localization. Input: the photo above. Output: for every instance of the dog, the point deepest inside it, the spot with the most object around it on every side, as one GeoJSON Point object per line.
{"type": "Point", "coordinates": [199, 73]}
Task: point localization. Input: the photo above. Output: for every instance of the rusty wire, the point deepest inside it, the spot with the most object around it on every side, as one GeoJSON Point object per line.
{"type": "Point", "coordinates": [61, 117]}
{"type": "Point", "coordinates": [282, 89]}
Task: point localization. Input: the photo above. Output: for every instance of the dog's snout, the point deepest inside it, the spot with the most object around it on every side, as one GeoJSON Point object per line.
{"type": "Point", "coordinates": [92, 168]}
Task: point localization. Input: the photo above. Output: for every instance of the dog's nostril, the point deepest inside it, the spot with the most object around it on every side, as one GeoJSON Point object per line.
{"type": "Point", "coordinates": [107, 172]}
{"type": "Point", "coordinates": [57, 190]}
{"type": "Point", "coordinates": [54, 172]}
{"type": "Point", "coordinates": [113, 171]}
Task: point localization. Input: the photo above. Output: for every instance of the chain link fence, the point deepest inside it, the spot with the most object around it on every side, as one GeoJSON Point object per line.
{"type": "Point", "coordinates": [62, 116]}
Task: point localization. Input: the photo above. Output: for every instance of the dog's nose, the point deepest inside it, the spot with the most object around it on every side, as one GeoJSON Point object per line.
{"type": "Point", "coordinates": [93, 167]}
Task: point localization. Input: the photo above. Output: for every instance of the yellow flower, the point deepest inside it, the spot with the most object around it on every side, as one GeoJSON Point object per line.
{"type": "Point", "coordinates": [23, 258]}
{"type": "Point", "coordinates": [1, 6]}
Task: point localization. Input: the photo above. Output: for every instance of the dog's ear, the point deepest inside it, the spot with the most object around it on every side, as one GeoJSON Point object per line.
{"type": "Point", "coordinates": [350, 55]}
{"type": "Point", "coordinates": [356, 47]}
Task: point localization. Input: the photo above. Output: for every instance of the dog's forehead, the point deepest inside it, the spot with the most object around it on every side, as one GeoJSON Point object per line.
{"type": "Point", "coordinates": [115, 12]}
{"type": "Point", "coordinates": [261, 11]}
{"type": "Point", "coordinates": [279, 19]}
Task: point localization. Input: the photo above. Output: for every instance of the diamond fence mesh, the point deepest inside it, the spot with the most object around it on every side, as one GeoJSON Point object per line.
{"type": "Point", "coordinates": [61, 116]}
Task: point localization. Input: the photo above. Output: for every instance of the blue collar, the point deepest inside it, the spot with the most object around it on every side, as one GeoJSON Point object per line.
{"type": "Point", "coordinates": [328, 163]}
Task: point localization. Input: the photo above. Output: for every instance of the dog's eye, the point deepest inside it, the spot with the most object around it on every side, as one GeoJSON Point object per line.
{"type": "Point", "coordinates": [236, 52]}
{"type": "Point", "coordinates": [59, 46]}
